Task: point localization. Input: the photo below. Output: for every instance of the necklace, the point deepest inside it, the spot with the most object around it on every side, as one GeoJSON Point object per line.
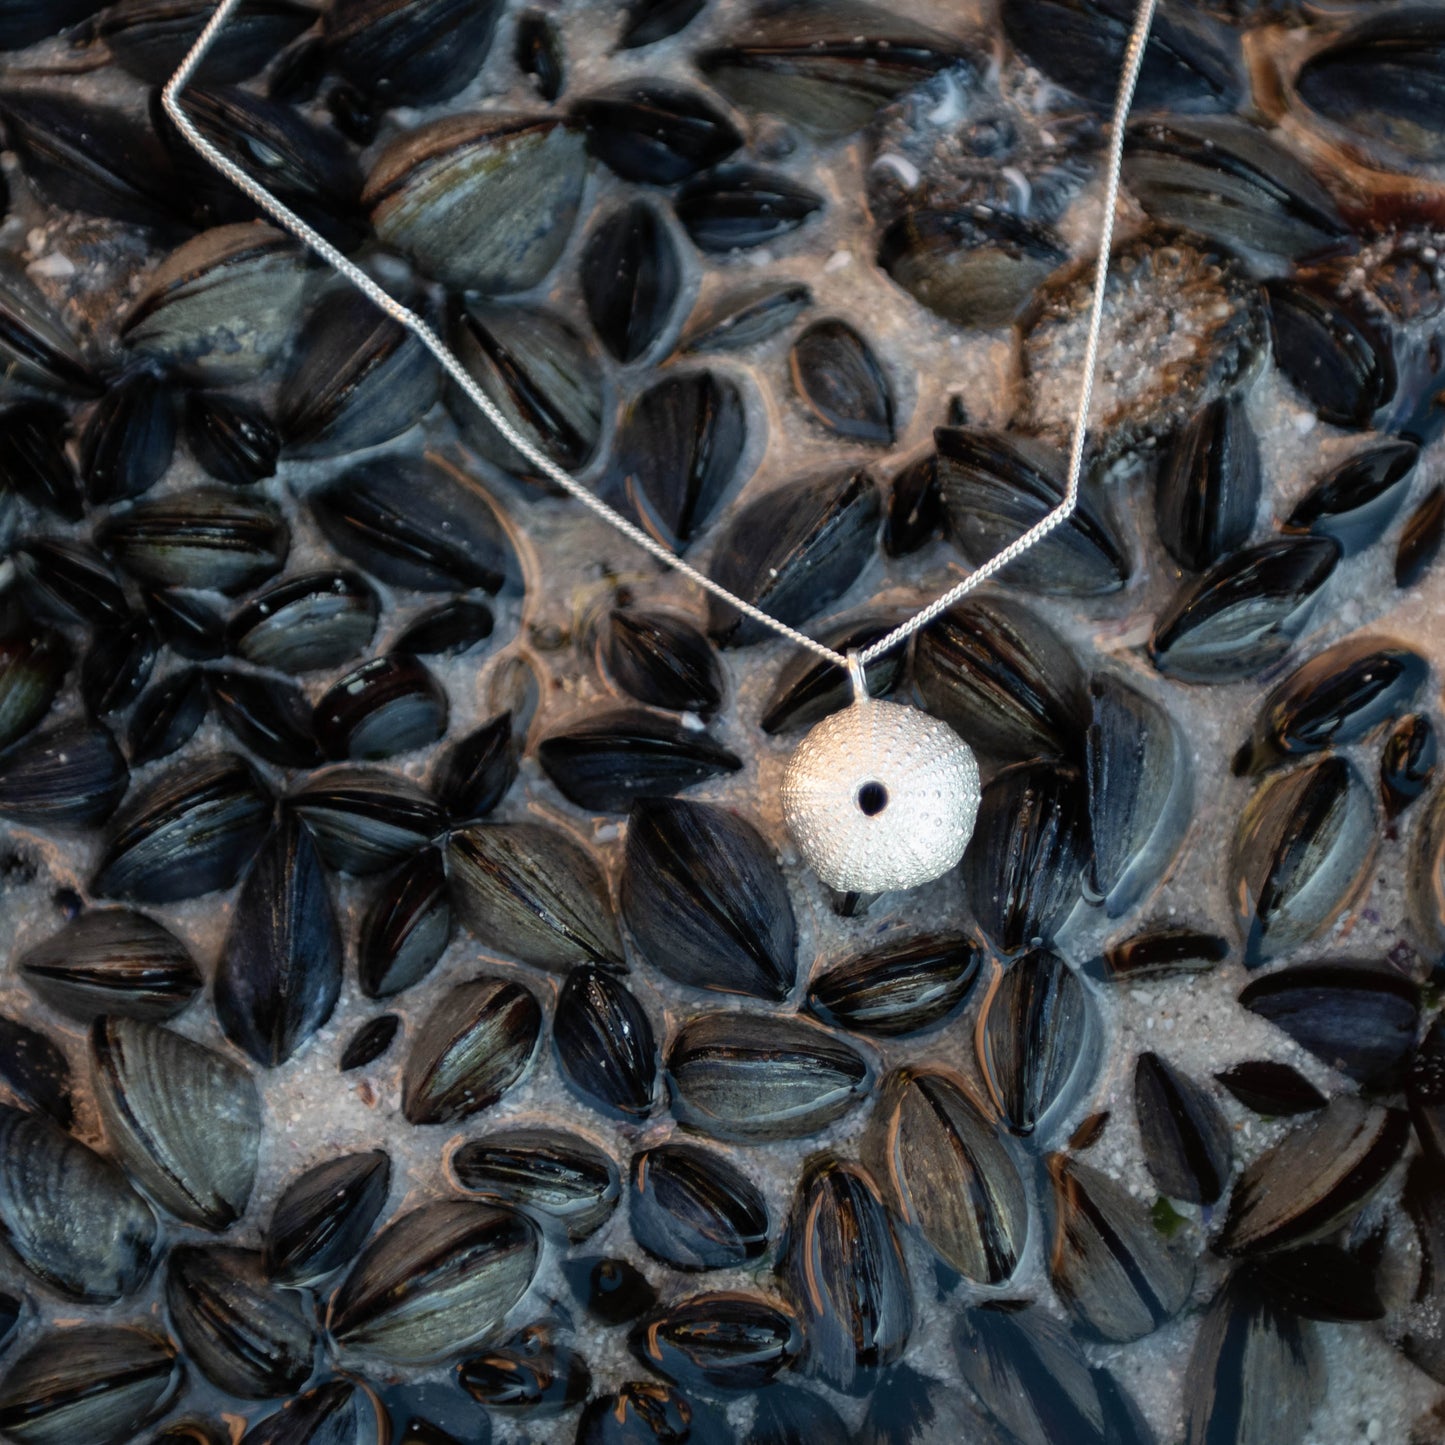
{"type": "Point", "coordinates": [879, 796]}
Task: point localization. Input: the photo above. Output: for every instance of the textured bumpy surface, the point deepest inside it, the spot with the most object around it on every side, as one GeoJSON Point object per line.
{"type": "Point", "coordinates": [929, 799]}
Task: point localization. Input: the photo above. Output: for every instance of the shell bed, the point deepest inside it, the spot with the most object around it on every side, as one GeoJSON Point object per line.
{"type": "Point", "coordinates": [416, 1024]}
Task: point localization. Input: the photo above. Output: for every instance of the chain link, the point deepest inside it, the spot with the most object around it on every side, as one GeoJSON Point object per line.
{"type": "Point", "coordinates": [293, 223]}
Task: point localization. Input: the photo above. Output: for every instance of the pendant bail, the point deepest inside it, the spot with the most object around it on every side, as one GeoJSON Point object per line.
{"type": "Point", "coordinates": [857, 676]}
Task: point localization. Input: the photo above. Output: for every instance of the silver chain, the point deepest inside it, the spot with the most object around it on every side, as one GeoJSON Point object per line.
{"type": "Point", "coordinates": [274, 208]}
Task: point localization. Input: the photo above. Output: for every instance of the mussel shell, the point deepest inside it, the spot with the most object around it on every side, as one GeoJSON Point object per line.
{"type": "Point", "coordinates": [1356, 501]}
{"type": "Point", "coordinates": [530, 1373]}
{"type": "Point", "coordinates": [279, 973]}
{"type": "Point", "coordinates": [69, 775]}
{"type": "Point", "coordinates": [477, 771]}
{"type": "Point", "coordinates": [97, 1383]}
{"type": "Point", "coordinates": [223, 307]}
{"type": "Point", "coordinates": [129, 439]}
{"type": "Point", "coordinates": [609, 760]}
{"type": "Point", "coordinates": [32, 453]}
{"type": "Point", "coordinates": [304, 623]}
{"type": "Point", "coordinates": [206, 537]}
{"type": "Point", "coordinates": [648, 21]}
{"type": "Point", "coordinates": [747, 1076]}
{"type": "Point", "coordinates": [998, 675]}
{"type": "Point", "coordinates": [1022, 871]}
{"type": "Point", "coordinates": [630, 275]}
{"type": "Point", "coordinates": [1420, 540]}
{"type": "Point", "coordinates": [676, 454]}
{"type": "Point", "coordinates": [705, 900]}
{"type": "Point", "coordinates": [744, 317]}
{"type": "Point", "coordinates": [231, 440]}
{"type": "Point", "coordinates": [1037, 1042]}
{"type": "Point", "coordinates": [736, 207]}
{"type": "Point", "coordinates": [541, 373]}
{"type": "Point", "coordinates": [533, 894]}
{"type": "Point", "coordinates": [409, 52]}
{"type": "Point", "coordinates": [605, 1045]}
{"type": "Point", "coordinates": [406, 928]}
{"type": "Point", "coordinates": [1321, 1282]}
{"type": "Point", "coordinates": [437, 1279]}
{"type": "Point", "coordinates": [642, 1412]}
{"type": "Point", "coordinates": [794, 551]}
{"type": "Point", "coordinates": [1207, 493]}
{"type": "Point", "coordinates": [661, 660]}
{"type": "Point", "coordinates": [413, 522]}
{"type": "Point", "coordinates": [243, 1334]}
{"type": "Point", "coordinates": [480, 202]}
{"type": "Point", "coordinates": [449, 629]}
{"type": "Point", "coordinates": [150, 38]}
{"type": "Point", "coordinates": [185, 1120]}
{"type": "Point", "coordinates": [655, 132]}
{"type": "Point", "coordinates": [995, 487]}
{"type": "Point", "coordinates": [388, 705]}
{"type": "Point", "coordinates": [1244, 613]}
{"type": "Point", "coordinates": [1112, 1270]}
{"type": "Point", "coordinates": [23, 24]}
{"type": "Point", "coordinates": [369, 1042]}
{"type": "Point", "coordinates": [359, 378]}
{"type": "Point", "coordinates": [68, 582]}
{"type": "Point", "coordinates": [723, 1340]}
{"type": "Point", "coordinates": [34, 1072]}
{"type": "Point", "coordinates": [612, 1291]}
{"type": "Point", "coordinates": [841, 382]}
{"type": "Point", "coordinates": [809, 688]}
{"type": "Point", "coordinates": [1357, 1018]}
{"type": "Point", "coordinates": [343, 1410]}
{"type": "Point", "coordinates": [1303, 851]}
{"type": "Point", "coordinates": [270, 715]}
{"type": "Point", "coordinates": [693, 1209]}
{"type": "Point", "coordinates": [561, 1177]}
{"type": "Point", "coordinates": [1407, 762]}
{"type": "Point", "coordinates": [844, 1269]}
{"type": "Point", "coordinates": [37, 353]}
{"type": "Point", "coordinates": [897, 988]}
{"type": "Point", "coordinates": [1161, 953]}
{"type": "Point", "coordinates": [112, 961]}
{"type": "Point", "coordinates": [117, 665]}
{"type": "Point", "coordinates": [365, 820]}
{"type": "Point", "coordinates": [537, 49]}
{"type": "Point", "coordinates": [1317, 1177]}
{"type": "Point", "coordinates": [186, 622]}
{"type": "Point", "coordinates": [1186, 1139]}
{"type": "Point", "coordinates": [323, 1216]}
{"type": "Point", "coordinates": [68, 1214]}
{"type": "Point", "coordinates": [907, 1408]}
{"type": "Point", "coordinates": [1272, 1088]}
{"type": "Point", "coordinates": [473, 1046]}
{"type": "Point", "coordinates": [948, 1174]}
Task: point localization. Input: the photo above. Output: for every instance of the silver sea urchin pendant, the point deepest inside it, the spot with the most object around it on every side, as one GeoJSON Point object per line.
{"type": "Point", "coordinates": [880, 796]}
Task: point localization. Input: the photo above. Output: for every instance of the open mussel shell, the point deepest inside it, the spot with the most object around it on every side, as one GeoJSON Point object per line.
{"type": "Point", "coordinates": [744, 317]}
{"type": "Point", "coordinates": [949, 1174]}
{"type": "Point", "coordinates": [817, 535]}
{"type": "Point", "coordinates": [630, 275]}
{"type": "Point", "coordinates": [841, 382]}
{"type": "Point", "coordinates": [34, 1072]}
{"type": "Point", "coordinates": [37, 353]}
{"type": "Point", "coordinates": [1207, 493]}
{"type": "Point", "coordinates": [723, 1340]}
{"type": "Point", "coordinates": [473, 1046]}
{"type": "Point", "coordinates": [1230, 181]}
{"type": "Point", "coordinates": [694, 1209]}
{"type": "Point", "coordinates": [660, 659]}
{"type": "Point", "coordinates": [231, 440]}
{"type": "Point", "coordinates": [365, 820]}
{"type": "Point", "coordinates": [69, 775]}
{"type": "Point", "coordinates": [242, 1333]}
{"type": "Point", "coordinates": [974, 266]}
{"type": "Point", "coordinates": [1407, 762]}
{"type": "Point", "coordinates": [305, 623]}
{"type": "Point", "coordinates": [676, 454]}
{"type": "Point", "coordinates": [359, 378]}
{"type": "Point", "coordinates": [656, 132]}
{"type": "Point", "coordinates": [97, 1383]}
{"type": "Point", "coordinates": [1186, 1139]}
{"type": "Point", "coordinates": [610, 759]}
{"type": "Point", "coordinates": [68, 1214]}
{"type": "Point", "coordinates": [529, 892]}
{"type": "Point", "coordinates": [438, 1278]}
{"type": "Point", "coordinates": [1303, 851]}
{"type": "Point", "coordinates": [995, 487]}
{"type": "Point", "coordinates": [388, 705]}
{"type": "Point", "coordinates": [561, 1178]}
{"type": "Point", "coordinates": [323, 1217]}
{"type": "Point", "coordinates": [897, 988]}
{"type": "Point", "coordinates": [184, 1119]}
{"type": "Point", "coordinates": [753, 1076]}
{"type": "Point", "coordinates": [530, 1373]}
{"type": "Point", "coordinates": [1037, 1042]}
{"type": "Point", "coordinates": [112, 961]}
{"type": "Point", "coordinates": [409, 52]}
{"type": "Point", "coordinates": [342, 1410]}
{"type": "Point", "coordinates": [129, 439]}
{"type": "Point", "coordinates": [705, 900]}
{"type": "Point", "coordinates": [1315, 1179]}
{"type": "Point", "coordinates": [207, 537]}
{"type": "Point", "coordinates": [150, 38]}
{"type": "Point", "coordinates": [1256, 1374]}
{"type": "Point", "coordinates": [1360, 1019]}
{"type": "Point", "coordinates": [1140, 791]}
{"type": "Point", "coordinates": [223, 307]}
{"type": "Point", "coordinates": [68, 582]}
{"type": "Point", "coordinates": [480, 202]}
{"type": "Point", "coordinates": [997, 674]}
{"type": "Point", "coordinates": [738, 206]}
{"type": "Point", "coordinates": [605, 1045]}
{"type": "Point", "coordinates": [1356, 501]}
{"type": "Point", "coordinates": [1244, 613]}
{"type": "Point", "coordinates": [542, 374]}
{"type": "Point", "coordinates": [406, 928]}
{"type": "Point", "coordinates": [826, 68]}
{"type": "Point", "coordinates": [279, 973]}
{"type": "Point", "coordinates": [1338, 696]}
{"type": "Point", "coordinates": [809, 688]}
{"type": "Point", "coordinates": [844, 1269]}
{"type": "Point", "coordinates": [414, 522]}
{"type": "Point", "coordinates": [33, 438]}
{"type": "Point", "coordinates": [1022, 872]}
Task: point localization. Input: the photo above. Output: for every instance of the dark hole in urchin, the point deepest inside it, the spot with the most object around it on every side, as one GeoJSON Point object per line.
{"type": "Point", "coordinates": [872, 799]}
